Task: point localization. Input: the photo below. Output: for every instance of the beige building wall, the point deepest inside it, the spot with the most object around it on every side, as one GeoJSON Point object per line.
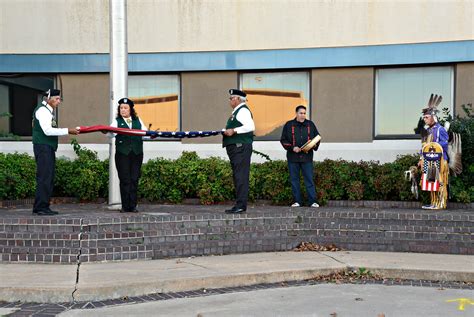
{"type": "Point", "coordinates": [82, 26]}
{"type": "Point", "coordinates": [342, 103]}
{"type": "Point", "coordinates": [205, 102]}
{"type": "Point", "coordinates": [86, 103]}
{"type": "Point", "coordinates": [464, 86]}
{"type": "Point", "coordinates": [54, 26]}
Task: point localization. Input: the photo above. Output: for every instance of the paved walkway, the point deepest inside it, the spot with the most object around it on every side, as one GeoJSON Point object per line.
{"type": "Point", "coordinates": [315, 300]}
{"type": "Point", "coordinates": [100, 281]}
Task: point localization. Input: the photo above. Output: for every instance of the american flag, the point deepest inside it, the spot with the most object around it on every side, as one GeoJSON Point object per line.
{"type": "Point", "coordinates": [425, 184]}
{"type": "Point", "coordinates": [153, 134]}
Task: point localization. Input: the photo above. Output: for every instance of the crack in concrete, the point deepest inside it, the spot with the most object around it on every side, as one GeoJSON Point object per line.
{"type": "Point", "coordinates": [78, 259]}
{"type": "Point", "coordinates": [338, 261]}
{"type": "Point", "coordinates": [202, 266]}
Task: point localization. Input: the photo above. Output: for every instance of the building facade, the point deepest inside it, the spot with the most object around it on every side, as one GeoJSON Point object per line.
{"type": "Point", "coordinates": [364, 69]}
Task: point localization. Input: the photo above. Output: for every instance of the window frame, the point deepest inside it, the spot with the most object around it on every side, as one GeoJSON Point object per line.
{"type": "Point", "coordinates": [309, 108]}
{"type": "Point", "coordinates": [55, 77]}
{"type": "Point", "coordinates": [375, 99]}
{"type": "Point", "coordinates": [180, 108]}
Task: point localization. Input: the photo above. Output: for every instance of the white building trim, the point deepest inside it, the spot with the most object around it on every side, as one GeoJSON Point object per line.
{"type": "Point", "coordinates": [379, 150]}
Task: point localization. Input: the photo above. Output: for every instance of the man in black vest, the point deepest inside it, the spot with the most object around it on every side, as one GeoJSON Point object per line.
{"type": "Point", "coordinates": [295, 134]}
{"type": "Point", "coordinates": [237, 140]}
{"type": "Point", "coordinates": [45, 144]}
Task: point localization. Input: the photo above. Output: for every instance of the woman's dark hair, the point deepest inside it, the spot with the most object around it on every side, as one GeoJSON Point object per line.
{"type": "Point", "coordinates": [133, 113]}
{"type": "Point", "coordinates": [300, 107]}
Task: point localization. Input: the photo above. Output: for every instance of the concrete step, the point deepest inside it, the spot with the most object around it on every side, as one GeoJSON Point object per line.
{"type": "Point", "coordinates": [102, 281]}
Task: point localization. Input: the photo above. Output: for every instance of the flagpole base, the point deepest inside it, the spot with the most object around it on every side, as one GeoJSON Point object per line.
{"type": "Point", "coordinates": [114, 207]}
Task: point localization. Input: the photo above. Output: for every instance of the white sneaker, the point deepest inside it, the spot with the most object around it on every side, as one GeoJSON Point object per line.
{"type": "Point", "coordinates": [296, 205]}
{"type": "Point", "coordinates": [315, 205]}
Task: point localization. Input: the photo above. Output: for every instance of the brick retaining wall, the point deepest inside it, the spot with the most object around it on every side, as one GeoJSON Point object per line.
{"type": "Point", "coordinates": [105, 237]}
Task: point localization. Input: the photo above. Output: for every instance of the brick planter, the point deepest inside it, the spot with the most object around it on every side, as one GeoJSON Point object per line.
{"type": "Point", "coordinates": [105, 236]}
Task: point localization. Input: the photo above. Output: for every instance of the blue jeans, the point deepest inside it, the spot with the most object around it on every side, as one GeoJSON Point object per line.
{"type": "Point", "coordinates": [307, 169]}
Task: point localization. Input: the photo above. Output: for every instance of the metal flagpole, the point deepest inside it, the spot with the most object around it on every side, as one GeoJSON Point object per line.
{"type": "Point", "coordinates": [118, 83]}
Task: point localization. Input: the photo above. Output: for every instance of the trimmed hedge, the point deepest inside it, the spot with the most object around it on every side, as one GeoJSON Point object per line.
{"type": "Point", "coordinates": [210, 179]}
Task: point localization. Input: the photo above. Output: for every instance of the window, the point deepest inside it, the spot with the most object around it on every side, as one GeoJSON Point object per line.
{"type": "Point", "coordinates": [272, 98]}
{"type": "Point", "coordinates": [401, 93]}
{"type": "Point", "coordinates": [19, 96]}
{"type": "Point", "coordinates": [156, 99]}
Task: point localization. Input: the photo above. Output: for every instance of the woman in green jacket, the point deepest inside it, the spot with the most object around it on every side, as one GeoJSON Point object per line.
{"type": "Point", "coordinates": [128, 154]}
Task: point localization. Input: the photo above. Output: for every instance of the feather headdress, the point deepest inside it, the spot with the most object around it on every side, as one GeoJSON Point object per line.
{"type": "Point", "coordinates": [455, 153]}
{"type": "Point", "coordinates": [432, 106]}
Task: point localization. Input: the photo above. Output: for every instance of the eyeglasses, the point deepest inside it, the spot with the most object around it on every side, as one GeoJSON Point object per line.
{"type": "Point", "coordinates": [230, 98]}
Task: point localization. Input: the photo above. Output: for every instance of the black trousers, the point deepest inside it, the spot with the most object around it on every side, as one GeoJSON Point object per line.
{"type": "Point", "coordinates": [129, 170]}
{"type": "Point", "coordinates": [45, 158]}
{"type": "Point", "coordinates": [239, 157]}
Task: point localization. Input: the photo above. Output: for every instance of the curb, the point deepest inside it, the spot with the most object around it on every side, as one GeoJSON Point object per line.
{"type": "Point", "coordinates": [93, 293]}
{"type": "Point", "coordinates": [192, 284]}
{"type": "Point", "coordinates": [427, 275]}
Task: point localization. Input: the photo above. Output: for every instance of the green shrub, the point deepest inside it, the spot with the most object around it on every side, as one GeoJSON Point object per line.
{"type": "Point", "coordinates": [17, 176]}
{"type": "Point", "coordinates": [355, 190]}
{"type": "Point", "coordinates": [215, 182]}
{"type": "Point", "coordinates": [271, 182]}
{"type": "Point", "coordinates": [85, 177]}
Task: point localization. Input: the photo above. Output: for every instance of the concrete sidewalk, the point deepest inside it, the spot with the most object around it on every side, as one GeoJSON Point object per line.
{"type": "Point", "coordinates": [100, 281]}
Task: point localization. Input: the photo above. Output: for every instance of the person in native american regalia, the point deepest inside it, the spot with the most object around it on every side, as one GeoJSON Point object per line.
{"type": "Point", "coordinates": [434, 156]}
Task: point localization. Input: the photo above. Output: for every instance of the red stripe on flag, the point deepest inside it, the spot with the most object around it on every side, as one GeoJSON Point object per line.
{"type": "Point", "coordinates": [126, 131]}
{"type": "Point", "coordinates": [429, 186]}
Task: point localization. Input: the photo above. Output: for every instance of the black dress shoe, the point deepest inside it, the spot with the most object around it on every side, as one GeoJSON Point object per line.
{"type": "Point", "coordinates": [231, 209]}
{"type": "Point", "coordinates": [134, 210]}
{"type": "Point", "coordinates": [52, 212]}
{"type": "Point", "coordinates": [43, 213]}
{"type": "Point", "coordinates": [123, 210]}
{"type": "Point", "coordinates": [235, 210]}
